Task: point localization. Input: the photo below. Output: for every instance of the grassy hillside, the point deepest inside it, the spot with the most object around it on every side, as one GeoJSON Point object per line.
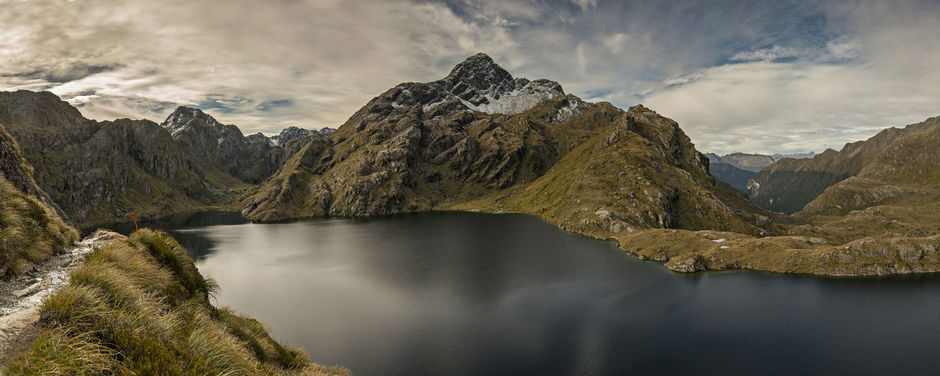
{"type": "Point", "coordinates": [618, 182]}
{"type": "Point", "coordinates": [30, 231]}
{"type": "Point", "coordinates": [789, 184]}
{"type": "Point", "coordinates": [905, 171]}
{"type": "Point", "coordinates": [140, 307]}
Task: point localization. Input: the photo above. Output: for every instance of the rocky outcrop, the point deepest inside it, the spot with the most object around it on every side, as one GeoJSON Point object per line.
{"type": "Point", "coordinates": [293, 133]}
{"type": "Point", "coordinates": [16, 171]}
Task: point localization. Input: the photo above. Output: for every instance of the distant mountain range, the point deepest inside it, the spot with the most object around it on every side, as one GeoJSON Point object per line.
{"type": "Point", "coordinates": [480, 139]}
{"type": "Point", "coordinates": [737, 169]}
{"type": "Point", "coordinates": [753, 162]}
{"type": "Point", "coordinates": [790, 184]}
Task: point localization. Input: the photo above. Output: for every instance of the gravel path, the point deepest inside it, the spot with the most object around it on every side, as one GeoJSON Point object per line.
{"type": "Point", "coordinates": [21, 298]}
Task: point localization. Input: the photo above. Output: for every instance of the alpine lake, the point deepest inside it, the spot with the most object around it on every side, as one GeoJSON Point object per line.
{"type": "Point", "coordinates": [456, 293]}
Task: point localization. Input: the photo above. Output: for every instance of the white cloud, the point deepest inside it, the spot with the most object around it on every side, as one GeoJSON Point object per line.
{"type": "Point", "coordinates": [585, 4]}
{"type": "Point", "coordinates": [867, 65]}
{"type": "Point", "coordinates": [776, 107]}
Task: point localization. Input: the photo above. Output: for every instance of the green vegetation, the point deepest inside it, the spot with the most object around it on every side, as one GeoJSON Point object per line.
{"type": "Point", "coordinates": [139, 306]}
{"type": "Point", "coordinates": [790, 184]}
{"type": "Point", "coordinates": [29, 231]}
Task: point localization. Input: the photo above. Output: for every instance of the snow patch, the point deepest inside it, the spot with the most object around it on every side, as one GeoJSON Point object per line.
{"type": "Point", "coordinates": [431, 105]}
{"type": "Point", "coordinates": [513, 102]}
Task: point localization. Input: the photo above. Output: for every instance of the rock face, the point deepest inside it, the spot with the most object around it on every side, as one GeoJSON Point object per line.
{"type": "Point", "coordinates": [99, 172]}
{"type": "Point", "coordinates": [789, 184]}
{"type": "Point", "coordinates": [480, 139]}
{"type": "Point", "coordinates": [249, 159]}
{"type": "Point", "coordinates": [293, 133]}
{"type": "Point", "coordinates": [16, 171]}
{"type": "Point", "coordinates": [102, 171]}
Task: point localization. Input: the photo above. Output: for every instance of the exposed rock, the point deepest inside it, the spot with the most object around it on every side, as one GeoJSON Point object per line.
{"type": "Point", "coordinates": [249, 159]}
{"type": "Point", "coordinates": [690, 264]}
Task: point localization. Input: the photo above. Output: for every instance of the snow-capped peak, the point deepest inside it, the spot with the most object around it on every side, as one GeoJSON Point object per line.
{"type": "Point", "coordinates": [480, 85]}
{"type": "Point", "coordinates": [181, 119]}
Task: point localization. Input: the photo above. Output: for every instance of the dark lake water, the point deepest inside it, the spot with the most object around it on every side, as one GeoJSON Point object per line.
{"type": "Point", "coordinates": [483, 294]}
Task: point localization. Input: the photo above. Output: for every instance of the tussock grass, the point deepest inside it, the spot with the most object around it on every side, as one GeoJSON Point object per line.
{"type": "Point", "coordinates": [58, 352]}
{"type": "Point", "coordinates": [30, 232]}
{"type": "Point", "coordinates": [141, 307]}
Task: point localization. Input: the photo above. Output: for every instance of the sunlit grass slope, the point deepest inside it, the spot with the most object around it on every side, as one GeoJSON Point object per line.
{"type": "Point", "coordinates": [140, 307]}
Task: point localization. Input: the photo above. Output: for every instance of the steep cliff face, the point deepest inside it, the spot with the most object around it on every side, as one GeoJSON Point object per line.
{"type": "Point", "coordinates": [789, 184]}
{"type": "Point", "coordinates": [480, 139]}
{"type": "Point", "coordinates": [224, 146]}
{"type": "Point", "coordinates": [101, 171]}
{"type": "Point", "coordinates": [30, 229]}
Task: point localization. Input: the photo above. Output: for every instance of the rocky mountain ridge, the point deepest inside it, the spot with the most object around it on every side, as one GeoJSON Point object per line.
{"type": "Point", "coordinates": [100, 172]}
{"type": "Point", "coordinates": [247, 159]}
{"type": "Point", "coordinates": [789, 184]}
{"type": "Point", "coordinates": [423, 146]}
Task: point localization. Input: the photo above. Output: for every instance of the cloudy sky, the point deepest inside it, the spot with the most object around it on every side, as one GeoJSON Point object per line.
{"type": "Point", "coordinates": [754, 76]}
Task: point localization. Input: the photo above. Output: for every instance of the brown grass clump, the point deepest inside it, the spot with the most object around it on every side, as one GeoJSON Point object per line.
{"type": "Point", "coordinates": [140, 306]}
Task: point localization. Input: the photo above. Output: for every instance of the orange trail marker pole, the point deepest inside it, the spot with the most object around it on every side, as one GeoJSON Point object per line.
{"type": "Point", "coordinates": [134, 218]}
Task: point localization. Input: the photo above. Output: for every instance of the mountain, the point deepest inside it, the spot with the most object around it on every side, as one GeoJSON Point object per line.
{"type": "Point", "coordinates": [778, 156]}
{"type": "Point", "coordinates": [906, 171]}
{"type": "Point", "coordinates": [30, 228]}
{"type": "Point", "coordinates": [789, 184]}
{"type": "Point", "coordinates": [590, 168]}
{"type": "Point", "coordinates": [732, 175]}
{"type": "Point", "coordinates": [480, 139]}
{"type": "Point", "coordinates": [101, 171]}
{"type": "Point", "coordinates": [293, 133]}
{"type": "Point", "coordinates": [224, 146]}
